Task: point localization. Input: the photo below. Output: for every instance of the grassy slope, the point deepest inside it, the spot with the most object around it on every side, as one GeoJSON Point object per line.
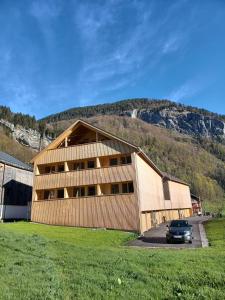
{"type": "Point", "coordinates": [172, 152]}
{"type": "Point", "coordinates": [45, 262]}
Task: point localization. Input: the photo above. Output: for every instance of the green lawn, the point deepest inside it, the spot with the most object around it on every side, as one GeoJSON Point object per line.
{"type": "Point", "coordinates": [47, 262]}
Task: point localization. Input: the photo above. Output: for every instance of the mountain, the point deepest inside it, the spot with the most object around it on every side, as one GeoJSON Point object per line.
{"type": "Point", "coordinates": [163, 113]}
{"type": "Point", "coordinates": [9, 145]}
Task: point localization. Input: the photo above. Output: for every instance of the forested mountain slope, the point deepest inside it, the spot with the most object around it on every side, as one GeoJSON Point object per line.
{"type": "Point", "coordinates": [163, 113]}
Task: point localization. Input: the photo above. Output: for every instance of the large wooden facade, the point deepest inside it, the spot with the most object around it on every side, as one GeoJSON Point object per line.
{"type": "Point", "coordinates": [90, 178]}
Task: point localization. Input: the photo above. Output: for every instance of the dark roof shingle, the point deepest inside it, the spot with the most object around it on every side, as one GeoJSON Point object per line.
{"type": "Point", "coordinates": [12, 161]}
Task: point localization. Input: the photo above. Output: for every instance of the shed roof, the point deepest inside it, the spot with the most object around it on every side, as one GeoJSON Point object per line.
{"type": "Point", "coordinates": [197, 198]}
{"type": "Point", "coordinates": [12, 161]}
{"type": "Point", "coordinates": [170, 177]}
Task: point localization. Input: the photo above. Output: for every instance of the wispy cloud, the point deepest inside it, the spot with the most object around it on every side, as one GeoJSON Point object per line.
{"type": "Point", "coordinates": [171, 45]}
{"type": "Point", "coordinates": [127, 55]}
{"type": "Point", "coordinates": [187, 90]}
{"type": "Point", "coordinates": [71, 53]}
{"type": "Point", "coordinates": [43, 10]}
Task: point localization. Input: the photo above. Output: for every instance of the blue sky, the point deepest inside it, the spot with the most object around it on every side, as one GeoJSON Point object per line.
{"type": "Point", "coordinates": [57, 54]}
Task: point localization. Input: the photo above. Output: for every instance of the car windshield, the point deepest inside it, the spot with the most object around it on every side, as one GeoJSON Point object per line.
{"type": "Point", "coordinates": [179, 223]}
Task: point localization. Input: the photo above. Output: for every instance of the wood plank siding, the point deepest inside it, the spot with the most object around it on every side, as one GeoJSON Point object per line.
{"type": "Point", "coordinates": [85, 177]}
{"type": "Point", "coordinates": [90, 178]}
{"type": "Point", "coordinates": [98, 149]}
{"type": "Point", "coordinates": [113, 211]}
{"type": "Point", "coordinates": [180, 195]}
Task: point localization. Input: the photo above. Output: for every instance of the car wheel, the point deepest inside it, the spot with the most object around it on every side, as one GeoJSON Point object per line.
{"type": "Point", "coordinates": [190, 242]}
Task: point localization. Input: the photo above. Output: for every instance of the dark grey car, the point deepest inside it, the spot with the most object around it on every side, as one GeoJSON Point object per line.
{"type": "Point", "coordinates": [180, 231]}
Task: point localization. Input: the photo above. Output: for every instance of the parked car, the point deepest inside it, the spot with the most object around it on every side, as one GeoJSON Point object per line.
{"type": "Point", "coordinates": [179, 230]}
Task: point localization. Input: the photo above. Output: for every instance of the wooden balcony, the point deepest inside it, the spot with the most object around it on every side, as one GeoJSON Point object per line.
{"type": "Point", "coordinates": [85, 177]}
{"type": "Point", "coordinates": [113, 211]}
{"type": "Point", "coordinates": [98, 149]}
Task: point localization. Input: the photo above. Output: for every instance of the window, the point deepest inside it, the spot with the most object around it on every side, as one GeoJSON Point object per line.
{"type": "Point", "coordinates": [49, 194]}
{"type": "Point", "coordinates": [91, 190]}
{"type": "Point", "coordinates": [166, 190]}
{"type": "Point", "coordinates": [91, 164]}
{"type": "Point", "coordinates": [115, 189]}
{"type": "Point", "coordinates": [60, 168]}
{"type": "Point", "coordinates": [79, 192]}
{"type": "Point", "coordinates": [113, 162]}
{"type": "Point", "coordinates": [78, 166]}
{"type": "Point", "coordinates": [52, 194]}
{"type": "Point", "coordinates": [127, 187]}
{"type": "Point", "coordinates": [60, 193]}
{"type": "Point", "coordinates": [46, 194]}
{"type": "Point", "coordinates": [126, 160]}
{"type": "Point", "coordinates": [47, 170]}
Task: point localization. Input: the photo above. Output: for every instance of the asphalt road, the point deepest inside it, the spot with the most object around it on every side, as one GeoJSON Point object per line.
{"type": "Point", "coordinates": [156, 237]}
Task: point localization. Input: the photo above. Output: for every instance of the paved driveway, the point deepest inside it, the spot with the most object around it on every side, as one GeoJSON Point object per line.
{"type": "Point", "coordinates": [156, 237]}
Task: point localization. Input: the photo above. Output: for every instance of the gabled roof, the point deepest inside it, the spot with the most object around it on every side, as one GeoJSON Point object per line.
{"type": "Point", "coordinates": [167, 176]}
{"type": "Point", "coordinates": [195, 197]}
{"type": "Point", "coordinates": [12, 161]}
{"type": "Point", "coordinates": [73, 127]}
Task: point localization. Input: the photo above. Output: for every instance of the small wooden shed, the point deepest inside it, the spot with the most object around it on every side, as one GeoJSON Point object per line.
{"type": "Point", "coordinates": [196, 204]}
{"type": "Point", "coordinates": [16, 180]}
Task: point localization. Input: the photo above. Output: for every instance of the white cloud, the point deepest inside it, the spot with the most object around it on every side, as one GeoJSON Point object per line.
{"type": "Point", "coordinates": [115, 52]}
{"type": "Point", "coordinates": [127, 56]}
{"type": "Point", "coordinates": [171, 45]}
{"type": "Point", "coordinates": [186, 90]}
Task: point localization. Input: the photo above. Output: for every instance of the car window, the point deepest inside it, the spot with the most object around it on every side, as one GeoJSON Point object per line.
{"type": "Point", "coordinates": [179, 223]}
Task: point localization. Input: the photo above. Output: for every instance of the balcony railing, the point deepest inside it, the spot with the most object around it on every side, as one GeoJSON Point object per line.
{"type": "Point", "coordinates": [120, 173]}
{"type": "Point", "coordinates": [98, 149]}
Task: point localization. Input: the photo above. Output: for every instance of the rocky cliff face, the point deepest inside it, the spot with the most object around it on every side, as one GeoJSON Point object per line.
{"type": "Point", "coordinates": [173, 117]}
{"type": "Point", "coordinates": [27, 137]}
{"type": "Point", "coordinates": [164, 113]}
{"type": "Point", "coordinates": [182, 121]}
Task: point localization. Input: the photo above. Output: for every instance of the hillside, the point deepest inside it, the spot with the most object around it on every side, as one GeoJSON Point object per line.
{"type": "Point", "coordinates": [14, 148]}
{"type": "Point", "coordinates": [163, 113]}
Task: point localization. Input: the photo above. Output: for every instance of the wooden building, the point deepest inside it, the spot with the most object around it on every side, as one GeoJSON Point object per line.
{"type": "Point", "coordinates": [16, 180]}
{"type": "Point", "coordinates": [90, 178]}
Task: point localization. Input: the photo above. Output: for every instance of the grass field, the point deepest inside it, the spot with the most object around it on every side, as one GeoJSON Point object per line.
{"type": "Point", "coordinates": [46, 262]}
